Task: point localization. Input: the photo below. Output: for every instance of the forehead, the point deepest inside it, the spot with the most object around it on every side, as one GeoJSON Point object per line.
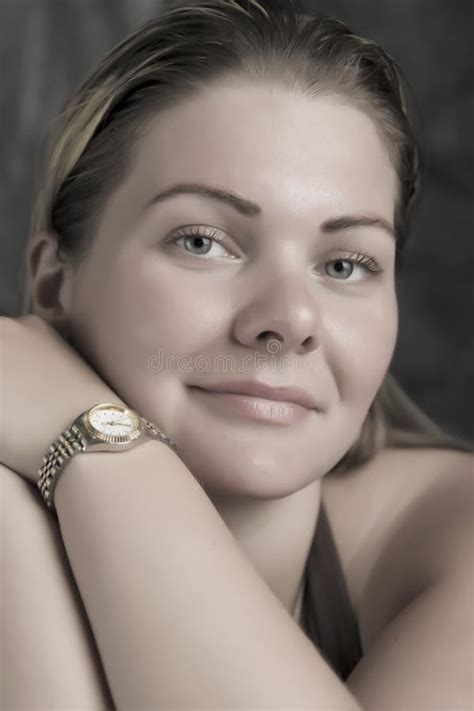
{"type": "Point", "coordinates": [289, 152]}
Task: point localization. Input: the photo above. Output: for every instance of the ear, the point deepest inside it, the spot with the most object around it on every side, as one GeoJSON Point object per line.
{"type": "Point", "coordinates": [50, 280]}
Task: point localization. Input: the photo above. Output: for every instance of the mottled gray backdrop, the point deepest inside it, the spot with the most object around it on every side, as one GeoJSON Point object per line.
{"type": "Point", "coordinates": [47, 46]}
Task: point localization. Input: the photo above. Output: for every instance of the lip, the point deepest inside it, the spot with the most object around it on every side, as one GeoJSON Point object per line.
{"type": "Point", "coordinates": [289, 394]}
{"type": "Point", "coordinates": [275, 412]}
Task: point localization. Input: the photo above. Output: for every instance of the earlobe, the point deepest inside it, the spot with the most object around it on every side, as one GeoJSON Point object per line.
{"type": "Point", "coordinates": [49, 279]}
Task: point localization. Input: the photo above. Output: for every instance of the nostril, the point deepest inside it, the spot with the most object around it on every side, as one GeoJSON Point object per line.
{"type": "Point", "coordinates": [269, 334]}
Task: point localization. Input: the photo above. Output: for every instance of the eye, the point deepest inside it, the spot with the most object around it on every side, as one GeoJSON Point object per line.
{"type": "Point", "coordinates": [199, 243]}
{"type": "Point", "coordinates": [346, 263]}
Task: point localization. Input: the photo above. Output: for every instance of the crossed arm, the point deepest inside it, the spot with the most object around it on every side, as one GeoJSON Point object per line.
{"type": "Point", "coordinates": [184, 621]}
{"type": "Point", "coordinates": [178, 617]}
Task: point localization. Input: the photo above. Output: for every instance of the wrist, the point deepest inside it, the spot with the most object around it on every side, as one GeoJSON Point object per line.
{"type": "Point", "coordinates": [47, 384]}
{"type": "Point", "coordinates": [80, 397]}
{"type": "Point", "coordinates": [103, 427]}
{"type": "Point", "coordinates": [91, 477]}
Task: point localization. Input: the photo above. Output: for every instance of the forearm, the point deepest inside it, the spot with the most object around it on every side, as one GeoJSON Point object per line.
{"type": "Point", "coordinates": [49, 659]}
{"type": "Point", "coordinates": [181, 618]}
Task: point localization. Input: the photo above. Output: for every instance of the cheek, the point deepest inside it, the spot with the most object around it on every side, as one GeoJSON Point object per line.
{"type": "Point", "coordinates": [366, 337]}
{"type": "Point", "coordinates": [138, 308]}
{"type": "Point", "coordinates": [169, 314]}
{"type": "Point", "coordinates": [164, 311]}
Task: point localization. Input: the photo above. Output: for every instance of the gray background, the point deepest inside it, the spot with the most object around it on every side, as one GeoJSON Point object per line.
{"type": "Point", "coordinates": [47, 46]}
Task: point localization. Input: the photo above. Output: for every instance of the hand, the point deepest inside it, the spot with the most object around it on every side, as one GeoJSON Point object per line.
{"type": "Point", "coordinates": [45, 384]}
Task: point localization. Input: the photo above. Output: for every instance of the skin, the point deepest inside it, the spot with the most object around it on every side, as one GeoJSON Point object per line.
{"type": "Point", "coordinates": [303, 160]}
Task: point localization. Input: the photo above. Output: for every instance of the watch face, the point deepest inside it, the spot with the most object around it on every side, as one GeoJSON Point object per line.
{"type": "Point", "coordinates": [113, 421]}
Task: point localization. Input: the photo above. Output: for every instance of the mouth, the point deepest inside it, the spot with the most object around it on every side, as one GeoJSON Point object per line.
{"type": "Point", "coordinates": [279, 412]}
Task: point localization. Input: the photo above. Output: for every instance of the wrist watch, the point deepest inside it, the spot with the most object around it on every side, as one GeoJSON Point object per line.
{"type": "Point", "coordinates": [105, 427]}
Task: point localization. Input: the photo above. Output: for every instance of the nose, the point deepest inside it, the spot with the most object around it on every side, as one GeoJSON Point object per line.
{"type": "Point", "coordinates": [282, 318]}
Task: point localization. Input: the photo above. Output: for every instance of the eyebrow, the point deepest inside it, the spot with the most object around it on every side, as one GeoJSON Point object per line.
{"type": "Point", "coordinates": [252, 209]}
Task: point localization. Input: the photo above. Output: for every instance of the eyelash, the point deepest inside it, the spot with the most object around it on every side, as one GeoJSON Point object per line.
{"type": "Point", "coordinates": [364, 260]}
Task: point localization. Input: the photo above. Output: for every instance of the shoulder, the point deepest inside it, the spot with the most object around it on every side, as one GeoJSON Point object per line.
{"type": "Point", "coordinates": [431, 537]}
{"type": "Point", "coordinates": [373, 496]}
{"type": "Point", "coordinates": [390, 520]}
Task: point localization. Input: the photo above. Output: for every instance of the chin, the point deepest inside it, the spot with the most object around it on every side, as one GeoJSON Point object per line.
{"type": "Point", "coordinates": [228, 474]}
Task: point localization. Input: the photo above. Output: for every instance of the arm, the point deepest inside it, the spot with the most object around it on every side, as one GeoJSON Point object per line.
{"type": "Point", "coordinates": [181, 618]}
{"type": "Point", "coordinates": [49, 659]}
{"type": "Point", "coordinates": [424, 657]}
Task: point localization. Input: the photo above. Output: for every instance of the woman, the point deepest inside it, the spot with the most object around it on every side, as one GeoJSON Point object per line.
{"type": "Point", "coordinates": [231, 186]}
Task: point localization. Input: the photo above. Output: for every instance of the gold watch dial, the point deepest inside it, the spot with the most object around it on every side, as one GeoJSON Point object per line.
{"type": "Point", "coordinates": [113, 420]}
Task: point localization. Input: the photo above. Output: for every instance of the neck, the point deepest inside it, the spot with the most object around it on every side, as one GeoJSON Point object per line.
{"type": "Point", "coordinates": [276, 536]}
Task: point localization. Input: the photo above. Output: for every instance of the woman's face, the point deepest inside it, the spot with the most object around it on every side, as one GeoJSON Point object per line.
{"type": "Point", "coordinates": [273, 302]}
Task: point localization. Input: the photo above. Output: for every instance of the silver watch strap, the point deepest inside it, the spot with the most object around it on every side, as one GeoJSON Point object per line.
{"type": "Point", "coordinates": [70, 442]}
{"type": "Point", "coordinates": [154, 432]}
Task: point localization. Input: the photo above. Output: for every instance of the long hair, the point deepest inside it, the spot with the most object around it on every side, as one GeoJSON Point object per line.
{"type": "Point", "coordinates": [89, 148]}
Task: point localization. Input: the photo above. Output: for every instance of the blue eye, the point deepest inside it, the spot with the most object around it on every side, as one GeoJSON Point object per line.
{"type": "Point", "coordinates": [200, 244]}
{"type": "Point", "coordinates": [354, 258]}
{"type": "Point", "coordinates": [197, 239]}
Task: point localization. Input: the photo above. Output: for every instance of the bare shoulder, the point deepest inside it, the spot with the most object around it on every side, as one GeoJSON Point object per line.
{"type": "Point", "coordinates": [379, 513]}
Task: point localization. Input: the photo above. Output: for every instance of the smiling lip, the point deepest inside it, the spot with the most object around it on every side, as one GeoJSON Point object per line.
{"type": "Point", "coordinates": [259, 402]}
{"type": "Point", "coordinates": [289, 394]}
